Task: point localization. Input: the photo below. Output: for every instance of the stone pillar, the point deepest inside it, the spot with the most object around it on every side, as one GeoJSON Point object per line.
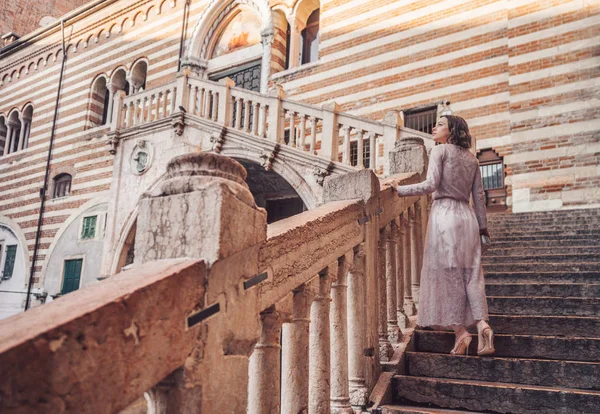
{"type": "Point", "coordinates": [416, 249]}
{"type": "Point", "coordinates": [385, 347]}
{"type": "Point", "coordinates": [399, 236]}
{"type": "Point", "coordinates": [7, 143]}
{"type": "Point", "coordinates": [340, 399]}
{"type": "Point", "coordinates": [390, 277]}
{"type": "Point", "coordinates": [267, 42]}
{"type": "Point", "coordinates": [21, 138]}
{"type": "Point", "coordinates": [294, 365]}
{"type": "Point", "coordinates": [295, 39]}
{"type": "Point", "coordinates": [409, 304]}
{"type": "Point", "coordinates": [319, 349]}
{"type": "Point", "coordinates": [409, 155]}
{"type": "Point", "coordinates": [356, 329]}
{"type": "Point", "coordinates": [264, 369]}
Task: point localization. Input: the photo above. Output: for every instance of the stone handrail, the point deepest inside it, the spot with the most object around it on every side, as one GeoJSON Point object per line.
{"type": "Point", "coordinates": [319, 130]}
{"type": "Point", "coordinates": [196, 322]}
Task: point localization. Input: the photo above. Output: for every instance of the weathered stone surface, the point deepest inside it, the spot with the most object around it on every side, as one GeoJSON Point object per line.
{"type": "Point", "coordinates": [542, 276]}
{"type": "Point", "coordinates": [409, 155]}
{"type": "Point", "coordinates": [569, 374]}
{"type": "Point", "coordinates": [541, 259]}
{"type": "Point", "coordinates": [360, 185]}
{"type": "Point", "coordinates": [546, 325]}
{"type": "Point", "coordinates": [498, 397]}
{"type": "Point", "coordinates": [544, 306]}
{"type": "Point", "coordinates": [108, 330]}
{"type": "Point", "coordinates": [580, 290]}
{"type": "Point", "coordinates": [518, 346]}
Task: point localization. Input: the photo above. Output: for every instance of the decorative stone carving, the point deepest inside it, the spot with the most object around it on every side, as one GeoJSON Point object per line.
{"type": "Point", "coordinates": [268, 158]}
{"type": "Point", "coordinates": [141, 157]}
{"type": "Point", "coordinates": [113, 141]}
{"type": "Point", "coordinates": [321, 173]}
{"type": "Point", "coordinates": [178, 122]}
{"type": "Point", "coordinates": [218, 139]}
{"type": "Point", "coordinates": [409, 155]}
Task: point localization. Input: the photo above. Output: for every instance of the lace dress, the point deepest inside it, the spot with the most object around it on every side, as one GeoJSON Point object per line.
{"type": "Point", "coordinates": [452, 286]}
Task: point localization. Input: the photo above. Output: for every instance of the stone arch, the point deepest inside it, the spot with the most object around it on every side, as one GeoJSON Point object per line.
{"type": "Point", "coordinates": [19, 278]}
{"type": "Point", "coordinates": [217, 10]}
{"type": "Point", "coordinates": [16, 230]}
{"type": "Point", "coordinates": [283, 169]}
{"type": "Point", "coordinates": [138, 74]}
{"type": "Point", "coordinates": [151, 9]}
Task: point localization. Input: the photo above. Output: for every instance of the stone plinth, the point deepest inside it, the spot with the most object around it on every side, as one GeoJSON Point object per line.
{"type": "Point", "coordinates": [409, 155]}
{"type": "Point", "coordinates": [203, 209]}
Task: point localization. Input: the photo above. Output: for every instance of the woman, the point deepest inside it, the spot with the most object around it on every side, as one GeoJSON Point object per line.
{"type": "Point", "coordinates": [452, 290]}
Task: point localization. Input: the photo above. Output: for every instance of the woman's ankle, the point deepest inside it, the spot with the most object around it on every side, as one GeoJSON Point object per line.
{"type": "Point", "coordinates": [481, 325]}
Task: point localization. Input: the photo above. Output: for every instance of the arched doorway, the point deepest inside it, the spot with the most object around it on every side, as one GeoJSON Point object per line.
{"type": "Point", "coordinates": [272, 192]}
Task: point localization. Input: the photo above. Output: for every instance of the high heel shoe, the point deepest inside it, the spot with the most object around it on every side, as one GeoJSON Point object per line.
{"type": "Point", "coordinates": [486, 338]}
{"type": "Point", "coordinates": [462, 347]}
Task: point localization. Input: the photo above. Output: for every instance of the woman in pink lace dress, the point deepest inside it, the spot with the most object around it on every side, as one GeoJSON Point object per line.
{"type": "Point", "coordinates": [452, 290]}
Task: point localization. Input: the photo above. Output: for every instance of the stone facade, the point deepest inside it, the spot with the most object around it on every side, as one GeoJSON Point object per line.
{"type": "Point", "coordinates": [524, 74]}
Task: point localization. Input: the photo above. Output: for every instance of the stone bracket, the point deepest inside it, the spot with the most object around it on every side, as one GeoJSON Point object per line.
{"type": "Point", "coordinates": [178, 121]}
{"type": "Point", "coordinates": [113, 141]}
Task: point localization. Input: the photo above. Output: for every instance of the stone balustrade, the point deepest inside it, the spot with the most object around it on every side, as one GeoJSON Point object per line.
{"type": "Point", "coordinates": [318, 130]}
{"type": "Point", "coordinates": [222, 313]}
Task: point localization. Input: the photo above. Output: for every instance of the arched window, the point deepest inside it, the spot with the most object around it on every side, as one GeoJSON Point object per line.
{"type": "Point", "coordinates": [27, 117]}
{"type": "Point", "coordinates": [310, 39]}
{"type": "Point", "coordinates": [99, 103]}
{"type": "Point", "coordinates": [138, 76]}
{"type": "Point", "coordinates": [62, 185]}
{"type": "Point", "coordinates": [3, 131]}
{"type": "Point", "coordinates": [13, 133]}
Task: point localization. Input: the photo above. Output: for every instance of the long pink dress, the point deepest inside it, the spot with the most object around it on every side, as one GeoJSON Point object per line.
{"type": "Point", "coordinates": [452, 285]}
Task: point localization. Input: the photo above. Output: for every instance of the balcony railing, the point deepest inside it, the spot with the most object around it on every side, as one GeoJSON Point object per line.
{"type": "Point", "coordinates": [319, 130]}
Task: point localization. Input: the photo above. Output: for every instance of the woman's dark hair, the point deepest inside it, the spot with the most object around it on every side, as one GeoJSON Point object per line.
{"type": "Point", "coordinates": [459, 131]}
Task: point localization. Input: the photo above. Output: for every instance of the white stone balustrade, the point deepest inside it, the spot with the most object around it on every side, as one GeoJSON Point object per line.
{"type": "Point", "coordinates": [215, 318]}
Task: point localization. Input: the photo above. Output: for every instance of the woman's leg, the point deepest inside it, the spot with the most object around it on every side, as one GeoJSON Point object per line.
{"type": "Point", "coordinates": [462, 341]}
{"type": "Point", "coordinates": [485, 337]}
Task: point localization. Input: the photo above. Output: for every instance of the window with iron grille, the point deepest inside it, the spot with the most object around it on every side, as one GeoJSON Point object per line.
{"type": "Point", "coordinates": [492, 175]}
{"type": "Point", "coordinates": [366, 153]}
{"type": "Point", "coordinates": [88, 230]}
{"type": "Point", "coordinates": [421, 119]}
{"type": "Point", "coordinates": [62, 185]}
{"type": "Point", "coordinates": [9, 262]}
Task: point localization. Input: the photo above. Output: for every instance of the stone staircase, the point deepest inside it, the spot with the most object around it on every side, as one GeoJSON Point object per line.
{"type": "Point", "coordinates": [543, 287]}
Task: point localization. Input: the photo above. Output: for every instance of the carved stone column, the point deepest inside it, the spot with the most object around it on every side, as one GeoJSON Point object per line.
{"type": "Point", "coordinates": [399, 236]}
{"type": "Point", "coordinates": [356, 329]}
{"type": "Point", "coordinates": [264, 369]}
{"type": "Point", "coordinates": [385, 347]}
{"type": "Point", "coordinates": [390, 278]}
{"type": "Point", "coordinates": [294, 381]}
{"type": "Point", "coordinates": [267, 41]}
{"type": "Point", "coordinates": [416, 249]}
{"type": "Point", "coordinates": [409, 304]}
{"type": "Point", "coordinates": [340, 398]}
{"type": "Point", "coordinates": [319, 349]}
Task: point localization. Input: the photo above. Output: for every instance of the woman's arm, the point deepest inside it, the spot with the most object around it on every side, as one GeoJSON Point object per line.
{"type": "Point", "coordinates": [479, 202]}
{"type": "Point", "coordinates": [434, 175]}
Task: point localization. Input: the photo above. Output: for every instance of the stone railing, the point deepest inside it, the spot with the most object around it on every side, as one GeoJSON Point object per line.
{"type": "Point", "coordinates": [319, 130]}
{"type": "Point", "coordinates": [196, 322]}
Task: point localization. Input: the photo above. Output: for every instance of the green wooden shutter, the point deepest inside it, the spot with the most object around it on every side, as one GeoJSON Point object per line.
{"type": "Point", "coordinates": [72, 275]}
{"type": "Point", "coordinates": [9, 263]}
{"type": "Point", "coordinates": [89, 227]}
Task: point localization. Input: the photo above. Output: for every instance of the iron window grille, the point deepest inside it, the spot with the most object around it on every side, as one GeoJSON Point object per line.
{"type": "Point", "coordinates": [421, 119]}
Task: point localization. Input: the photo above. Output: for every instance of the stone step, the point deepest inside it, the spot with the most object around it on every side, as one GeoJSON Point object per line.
{"type": "Point", "coordinates": [545, 267]}
{"type": "Point", "coordinates": [544, 233]}
{"type": "Point", "coordinates": [539, 276]}
{"type": "Point", "coordinates": [407, 409]}
{"type": "Point", "coordinates": [549, 243]}
{"type": "Point", "coordinates": [494, 397]}
{"type": "Point", "coordinates": [543, 305]}
{"type": "Point", "coordinates": [518, 346]}
{"type": "Point", "coordinates": [583, 290]}
{"type": "Point", "coordinates": [567, 374]}
{"type": "Point", "coordinates": [585, 326]}
{"type": "Point", "coordinates": [525, 240]}
{"type": "Point", "coordinates": [560, 221]}
{"type": "Point", "coordinates": [510, 252]}
{"type": "Point", "coordinates": [541, 215]}
{"type": "Point", "coordinates": [537, 228]}
{"type": "Point", "coordinates": [534, 257]}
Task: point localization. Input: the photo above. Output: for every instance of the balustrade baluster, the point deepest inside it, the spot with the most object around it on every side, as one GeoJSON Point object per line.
{"type": "Point", "coordinates": [346, 151]}
{"type": "Point", "coordinates": [319, 349]}
{"type": "Point", "coordinates": [145, 110]}
{"type": "Point", "coordinates": [390, 275]}
{"type": "Point", "coordinates": [168, 95]}
{"type": "Point", "coordinates": [264, 367]}
{"type": "Point", "coordinates": [174, 99]}
{"type": "Point", "coordinates": [158, 104]}
{"type": "Point", "coordinates": [262, 131]}
{"type": "Point", "coordinates": [255, 116]}
{"type": "Point", "coordinates": [215, 106]}
{"type": "Point", "coordinates": [151, 107]}
{"type": "Point", "coordinates": [340, 399]}
{"type": "Point", "coordinates": [302, 132]}
{"type": "Point", "coordinates": [294, 365]}
{"type": "Point", "coordinates": [194, 104]}
{"type": "Point", "coordinates": [292, 140]}
{"type": "Point", "coordinates": [313, 134]}
{"type": "Point", "coordinates": [402, 318]}
{"type": "Point", "coordinates": [359, 149]}
{"type": "Point", "coordinates": [373, 151]}
{"type": "Point", "coordinates": [385, 347]}
{"type": "Point", "coordinates": [130, 114]}
{"type": "Point", "coordinates": [416, 250]}
{"type": "Point", "coordinates": [409, 304]}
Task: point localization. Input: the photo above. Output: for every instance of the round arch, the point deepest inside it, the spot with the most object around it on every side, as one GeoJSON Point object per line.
{"type": "Point", "coordinates": [14, 227]}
